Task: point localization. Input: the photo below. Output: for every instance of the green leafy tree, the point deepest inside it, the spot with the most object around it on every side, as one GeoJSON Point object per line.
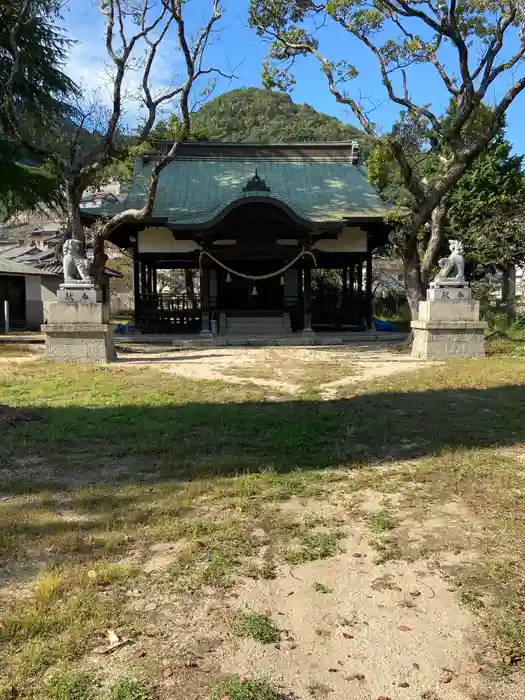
{"type": "Point", "coordinates": [169, 130]}
{"type": "Point", "coordinates": [485, 209]}
{"type": "Point", "coordinates": [262, 116]}
{"type": "Point", "coordinates": [472, 46]}
{"type": "Point", "coordinates": [33, 90]}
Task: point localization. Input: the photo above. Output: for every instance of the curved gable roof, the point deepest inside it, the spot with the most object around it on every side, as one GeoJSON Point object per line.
{"type": "Point", "coordinates": [318, 183]}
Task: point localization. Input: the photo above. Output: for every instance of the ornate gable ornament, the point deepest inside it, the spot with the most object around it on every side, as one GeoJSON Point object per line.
{"type": "Point", "coordinates": [256, 184]}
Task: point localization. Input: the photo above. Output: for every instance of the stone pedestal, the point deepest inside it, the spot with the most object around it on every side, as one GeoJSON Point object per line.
{"type": "Point", "coordinates": [78, 329]}
{"type": "Point", "coordinates": [448, 325]}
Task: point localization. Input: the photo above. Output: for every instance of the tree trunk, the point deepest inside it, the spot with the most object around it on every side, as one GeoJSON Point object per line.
{"type": "Point", "coordinates": [75, 224]}
{"type": "Point", "coordinates": [508, 287]}
{"type": "Point", "coordinates": [190, 289]}
{"type": "Point", "coordinates": [413, 283]}
{"type": "Point", "coordinates": [99, 259]}
{"type": "Point", "coordinates": [435, 242]}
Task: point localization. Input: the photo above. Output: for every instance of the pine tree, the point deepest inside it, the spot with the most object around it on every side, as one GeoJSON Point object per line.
{"type": "Point", "coordinates": [34, 100]}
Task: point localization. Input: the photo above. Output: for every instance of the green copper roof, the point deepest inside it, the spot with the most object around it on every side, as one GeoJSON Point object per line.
{"type": "Point", "coordinates": [319, 188]}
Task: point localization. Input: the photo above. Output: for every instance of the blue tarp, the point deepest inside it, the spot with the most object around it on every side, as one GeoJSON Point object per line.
{"type": "Point", "coordinates": [384, 325]}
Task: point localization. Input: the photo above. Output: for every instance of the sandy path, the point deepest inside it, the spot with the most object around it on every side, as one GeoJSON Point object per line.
{"type": "Point", "coordinates": [379, 631]}
{"type": "Point", "coordinates": [223, 363]}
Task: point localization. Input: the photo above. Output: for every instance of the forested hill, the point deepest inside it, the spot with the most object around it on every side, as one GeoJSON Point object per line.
{"type": "Point", "coordinates": [264, 116]}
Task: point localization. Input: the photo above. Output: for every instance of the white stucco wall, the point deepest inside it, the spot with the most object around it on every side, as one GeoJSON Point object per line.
{"type": "Point", "coordinates": [33, 291]}
{"type": "Point", "coordinates": [49, 288]}
{"type": "Point", "coordinates": [350, 240]}
{"type": "Point", "coordinates": [161, 240]}
{"type": "Point", "coordinates": [34, 306]}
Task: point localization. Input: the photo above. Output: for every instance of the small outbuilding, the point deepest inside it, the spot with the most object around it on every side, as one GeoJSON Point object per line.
{"type": "Point", "coordinates": [28, 291]}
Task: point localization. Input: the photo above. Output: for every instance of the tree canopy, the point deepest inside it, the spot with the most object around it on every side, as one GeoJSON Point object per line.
{"type": "Point", "coordinates": [473, 47]}
{"type": "Point", "coordinates": [33, 90]}
{"type": "Point", "coordinates": [483, 210]}
{"type": "Point", "coordinates": [486, 208]}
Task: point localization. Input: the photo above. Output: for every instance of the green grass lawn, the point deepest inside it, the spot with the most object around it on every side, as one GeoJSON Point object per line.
{"type": "Point", "coordinates": [104, 466]}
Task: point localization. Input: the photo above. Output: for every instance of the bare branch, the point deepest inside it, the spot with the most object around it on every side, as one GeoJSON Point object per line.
{"type": "Point", "coordinates": [193, 60]}
{"type": "Point", "coordinates": [494, 47]}
{"type": "Point", "coordinates": [149, 102]}
{"type": "Point", "coordinates": [402, 101]}
{"type": "Point", "coordinates": [120, 16]}
{"type": "Point", "coordinates": [406, 10]}
{"type": "Point", "coordinates": [432, 55]}
{"type": "Point", "coordinates": [491, 74]}
{"type": "Point", "coordinates": [450, 29]}
{"type": "Point", "coordinates": [328, 71]}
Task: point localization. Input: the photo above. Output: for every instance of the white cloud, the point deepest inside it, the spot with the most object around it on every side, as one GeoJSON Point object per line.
{"type": "Point", "coordinates": [92, 69]}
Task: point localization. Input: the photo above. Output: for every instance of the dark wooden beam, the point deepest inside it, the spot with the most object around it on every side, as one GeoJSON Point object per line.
{"type": "Point", "coordinates": [205, 298]}
{"type": "Point", "coordinates": [136, 285]}
{"type": "Point", "coordinates": [369, 284]}
{"type": "Point", "coordinates": [307, 294]}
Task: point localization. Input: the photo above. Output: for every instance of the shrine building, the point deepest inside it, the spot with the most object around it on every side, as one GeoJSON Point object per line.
{"type": "Point", "coordinates": [256, 222]}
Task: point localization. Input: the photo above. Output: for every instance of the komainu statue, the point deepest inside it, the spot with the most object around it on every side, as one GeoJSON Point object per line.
{"type": "Point", "coordinates": [76, 266]}
{"type": "Point", "coordinates": [455, 261]}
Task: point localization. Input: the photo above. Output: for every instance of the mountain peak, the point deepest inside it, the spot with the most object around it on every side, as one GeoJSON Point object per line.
{"type": "Point", "coordinates": [257, 115]}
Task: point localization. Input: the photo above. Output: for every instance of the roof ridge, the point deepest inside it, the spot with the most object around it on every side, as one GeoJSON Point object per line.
{"type": "Point", "coordinates": [259, 144]}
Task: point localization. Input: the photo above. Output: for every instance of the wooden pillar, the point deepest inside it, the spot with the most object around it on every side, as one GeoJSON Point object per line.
{"type": "Point", "coordinates": [143, 278]}
{"type": "Point", "coordinates": [151, 288]}
{"type": "Point", "coordinates": [153, 280]}
{"type": "Point", "coordinates": [351, 279]}
{"type": "Point", "coordinates": [205, 299]}
{"type": "Point", "coordinates": [369, 287]}
{"type": "Point", "coordinates": [307, 296]}
{"type": "Point", "coordinates": [360, 277]}
{"type": "Point", "coordinates": [136, 288]}
{"type": "Point", "coordinates": [344, 274]}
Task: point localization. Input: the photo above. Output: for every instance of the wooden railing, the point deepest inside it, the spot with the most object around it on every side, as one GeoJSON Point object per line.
{"type": "Point", "coordinates": [168, 313]}
{"type": "Point", "coordinates": [339, 310]}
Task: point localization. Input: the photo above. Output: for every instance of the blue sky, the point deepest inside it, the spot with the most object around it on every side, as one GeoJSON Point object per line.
{"type": "Point", "coordinates": [239, 48]}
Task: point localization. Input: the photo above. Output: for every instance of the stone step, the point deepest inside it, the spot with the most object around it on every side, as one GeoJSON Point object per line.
{"type": "Point", "coordinates": [262, 330]}
{"type": "Point", "coordinates": [256, 326]}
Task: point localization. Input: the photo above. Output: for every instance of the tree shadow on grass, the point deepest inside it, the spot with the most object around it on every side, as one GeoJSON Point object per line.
{"type": "Point", "coordinates": [73, 446]}
{"type": "Point", "coordinates": [160, 448]}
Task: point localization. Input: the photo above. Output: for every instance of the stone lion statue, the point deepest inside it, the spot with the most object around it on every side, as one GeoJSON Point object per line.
{"type": "Point", "coordinates": [454, 261]}
{"type": "Point", "coordinates": [76, 266]}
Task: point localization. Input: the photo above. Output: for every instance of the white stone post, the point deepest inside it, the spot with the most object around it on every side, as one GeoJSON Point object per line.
{"type": "Point", "coordinates": [6, 317]}
{"type": "Point", "coordinates": [448, 325]}
{"type": "Point", "coordinates": [78, 329]}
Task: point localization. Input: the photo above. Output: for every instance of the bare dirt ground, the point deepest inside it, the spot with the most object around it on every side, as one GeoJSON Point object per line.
{"type": "Point", "coordinates": [358, 625]}
{"type": "Point", "coordinates": [289, 370]}
{"type": "Point", "coordinates": [393, 579]}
